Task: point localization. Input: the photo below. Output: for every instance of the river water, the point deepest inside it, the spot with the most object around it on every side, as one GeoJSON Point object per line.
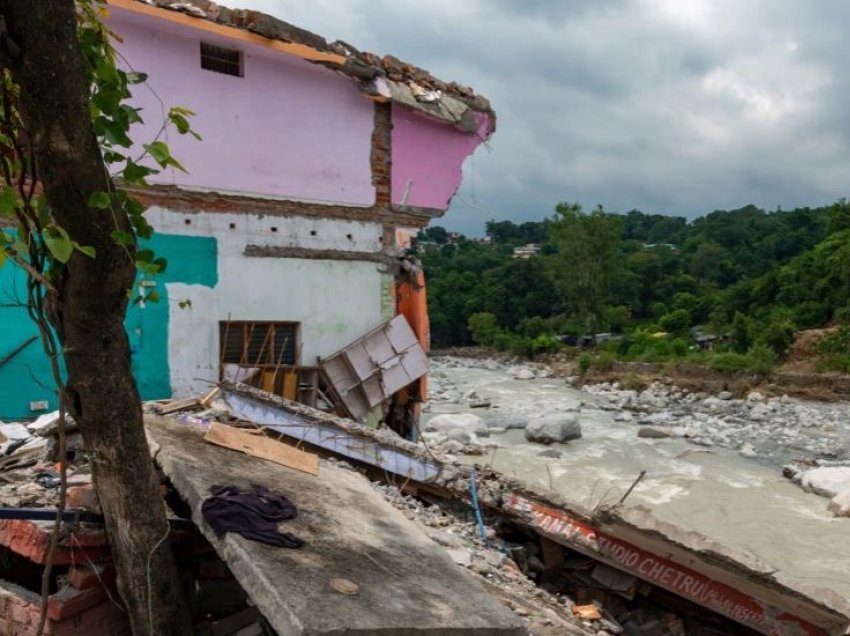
{"type": "Point", "coordinates": [729, 498]}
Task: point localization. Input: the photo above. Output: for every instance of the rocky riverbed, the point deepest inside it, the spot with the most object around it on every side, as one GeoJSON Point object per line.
{"type": "Point", "coordinates": [713, 462]}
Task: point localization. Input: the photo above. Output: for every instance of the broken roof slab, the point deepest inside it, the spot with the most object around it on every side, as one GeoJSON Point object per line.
{"type": "Point", "coordinates": [407, 584]}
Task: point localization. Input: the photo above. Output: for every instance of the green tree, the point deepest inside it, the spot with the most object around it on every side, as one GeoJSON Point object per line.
{"type": "Point", "coordinates": [63, 126]}
{"type": "Point", "coordinates": [588, 258]}
{"type": "Point", "coordinates": [676, 322]}
{"type": "Point", "coordinates": [839, 216]}
{"type": "Point", "coordinates": [484, 328]}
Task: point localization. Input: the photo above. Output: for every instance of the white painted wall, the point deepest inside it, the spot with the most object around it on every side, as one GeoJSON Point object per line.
{"type": "Point", "coordinates": [335, 301]}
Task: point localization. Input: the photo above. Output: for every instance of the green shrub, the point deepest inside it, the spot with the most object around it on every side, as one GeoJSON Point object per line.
{"type": "Point", "coordinates": [729, 361]}
{"type": "Point", "coordinates": [680, 347]}
{"type": "Point", "coordinates": [842, 315]}
{"type": "Point", "coordinates": [834, 351]}
{"type": "Point", "coordinates": [779, 335]}
{"type": "Point", "coordinates": [604, 361]}
{"type": "Point", "coordinates": [836, 342]}
{"type": "Point", "coordinates": [633, 382]}
{"type": "Point", "coordinates": [762, 359]}
{"type": "Point", "coordinates": [545, 343]}
{"type": "Point", "coordinates": [584, 362]}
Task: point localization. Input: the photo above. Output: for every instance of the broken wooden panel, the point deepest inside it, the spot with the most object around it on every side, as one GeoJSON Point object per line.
{"type": "Point", "coordinates": [335, 434]}
{"type": "Point", "coordinates": [370, 370]}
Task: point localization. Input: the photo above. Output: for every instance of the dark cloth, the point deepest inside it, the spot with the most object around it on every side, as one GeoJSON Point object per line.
{"type": "Point", "coordinates": [254, 514]}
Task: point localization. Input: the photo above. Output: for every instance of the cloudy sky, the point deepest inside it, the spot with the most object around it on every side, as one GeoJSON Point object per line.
{"type": "Point", "coordinates": [667, 106]}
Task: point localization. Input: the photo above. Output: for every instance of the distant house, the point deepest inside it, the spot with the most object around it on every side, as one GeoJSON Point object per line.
{"type": "Point", "coordinates": [290, 230]}
{"type": "Point", "coordinates": [526, 251]}
{"type": "Point", "coordinates": [660, 246]}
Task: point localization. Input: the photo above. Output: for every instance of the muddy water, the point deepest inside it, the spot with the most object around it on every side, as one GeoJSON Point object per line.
{"type": "Point", "coordinates": [731, 499]}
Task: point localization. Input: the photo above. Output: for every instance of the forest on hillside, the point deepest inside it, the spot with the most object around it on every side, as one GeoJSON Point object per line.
{"type": "Point", "coordinates": [749, 276]}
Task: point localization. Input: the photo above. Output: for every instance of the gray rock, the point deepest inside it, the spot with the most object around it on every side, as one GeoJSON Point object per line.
{"type": "Point", "coordinates": [453, 445]}
{"type": "Point", "coordinates": [760, 412]}
{"type": "Point", "coordinates": [724, 395]}
{"type": "Point", "coordinates": [549, 429]}
{"type": "Point", "coordinates": [460, 435]}
{"type": "Point", "coordinates": [623, 416]}
{"type": "Point", "coordinates": [523, 374]}
{"type": "Point", "coordinates": [654, 433]}
{"type": "Point", "coordinates": [748, 450]}
{"type": "Point", "coordinates": [840, 504]}
{"type": "Point", "coordinates": [464, 421]}
{"type": "Point", "coordinates": [550, 452]}
{"type": "Point", "coordinates": [507, 421]}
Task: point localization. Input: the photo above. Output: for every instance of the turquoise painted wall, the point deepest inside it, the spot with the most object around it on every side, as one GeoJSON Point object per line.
{"type": "Point", "coordinates": [26, 377]}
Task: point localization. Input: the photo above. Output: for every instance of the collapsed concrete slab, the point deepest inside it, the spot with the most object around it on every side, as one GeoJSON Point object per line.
{"type": "Point", "coordinates": [731, 582]}
{"type": "Point", "coordinates": [405, 583]}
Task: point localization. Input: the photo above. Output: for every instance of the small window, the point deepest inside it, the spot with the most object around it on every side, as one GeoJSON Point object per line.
{"type": "Point", "coordinates": [220, 59]}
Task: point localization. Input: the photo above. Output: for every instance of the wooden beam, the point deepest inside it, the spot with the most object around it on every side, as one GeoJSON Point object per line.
{"type": "Point", "coordinates": [233, 33]}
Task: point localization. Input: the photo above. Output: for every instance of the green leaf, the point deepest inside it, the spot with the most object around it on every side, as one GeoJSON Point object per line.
{"type": "Point", "coordinates": [100, 200]}
{"type": "Point", "coordinates": [2, 257]}
{"type": "Point", "coordinates": [136, 78]}
{"type": "Point", "coordinates": [8, 201]}
{"type": "Point", "coordinates": [60, 246]}
{"type": "Point", "coordinates": [159, 151]}
{"type": "Point", "coordinates": [153, 296]}
{"type": "Point", "coordinates": [144, 256]}
{"type": "Point", "coordinates": [88, 250]}
{"type": "Point", "coordinates": [162, 155]}
{"type": "Point", "coordinates": [186, 303]}
{"type": "Point", "coordinates": [123, 238]}
{"type": "Point", "coordinates": [134, 173]}
{"type": "Point", "coordinates": [110, 156]}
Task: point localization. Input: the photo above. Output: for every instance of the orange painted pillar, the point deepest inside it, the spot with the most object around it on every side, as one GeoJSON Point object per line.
{"type": "Point", "coordinates": [412, 303]}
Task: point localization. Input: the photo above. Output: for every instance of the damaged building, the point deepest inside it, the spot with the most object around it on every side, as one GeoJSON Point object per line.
{"type": "Point", "coordinates": [286, 238]}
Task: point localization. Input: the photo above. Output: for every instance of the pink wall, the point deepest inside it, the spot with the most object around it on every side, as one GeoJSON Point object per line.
{"type": "Point", "coordinates": [428, 156]}
{"type": "Point", "coordinates": [287, 128]}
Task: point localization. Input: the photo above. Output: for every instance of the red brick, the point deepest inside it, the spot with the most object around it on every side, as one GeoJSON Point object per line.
{"type": "Point", "coordinates": [102, 620]}
{"type": "Point", "coordinates": [89, 575]}
{"type": "Point", "coordinates": [22, 614]}
{"type": "Point", "coordinates": [83, 497]}
{"type": "Point", "coordinates": [69, 602]}
{"type": "Point", "coordinates": [32, 540]}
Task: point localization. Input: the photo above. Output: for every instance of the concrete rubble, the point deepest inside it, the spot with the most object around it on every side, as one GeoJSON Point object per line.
{"type": "Point", "coordinates": [404, 582]}
{"type": "Point", "coordinates": [747, 594]}
{"type": "Point", "coordinates": [541, 563]}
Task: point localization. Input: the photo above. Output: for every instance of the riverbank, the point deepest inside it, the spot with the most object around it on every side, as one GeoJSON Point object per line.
{"type": "Point", "coordinates": [714, 467]}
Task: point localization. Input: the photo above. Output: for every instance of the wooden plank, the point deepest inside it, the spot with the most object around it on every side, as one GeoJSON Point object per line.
{"type": "Point", "coordinates": [209, 397]}
{"type": "Point", "coordinates": [262, 447]}
{"type": "Point", "coordinates": [268, 381]}
{"type": "Point", "coordinates": [290, 385]}
{"type": "Point", "coordinates": [180, 405]}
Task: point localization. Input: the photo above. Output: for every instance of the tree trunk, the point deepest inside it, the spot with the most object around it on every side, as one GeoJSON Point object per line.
{"type": "Point", "coordinates": [90, 309]}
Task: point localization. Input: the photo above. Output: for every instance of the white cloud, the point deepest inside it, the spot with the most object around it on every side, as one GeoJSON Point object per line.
{"type": "Point", "coordinates": [671, 106]}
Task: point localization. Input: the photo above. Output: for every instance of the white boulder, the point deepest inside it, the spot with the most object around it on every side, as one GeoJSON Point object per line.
{"type": "Point", "coordinates": [549, 429]}
{"type": "Point", "coordinates": [452, 421]}
{"type": "Point", "coordinates": [826, 481]}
